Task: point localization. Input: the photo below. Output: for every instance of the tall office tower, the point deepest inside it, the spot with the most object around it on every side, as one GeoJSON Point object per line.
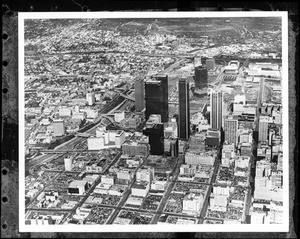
{"type": "Point", "coordinates": [156, 97]}
{"type": "Point", "coordinates": [230, 129]}
{"type": "Point", "coordinates": [213, 138]}
{"type": "Point", "coordinates": [156, 139]}
{"type": "Point", "coordinates": [197, 61]}
{"type": "Point", "coordinates": [210, 63]}
{"type": "Point", "coordinates": [68, 163]}
{"type": "Point", "coordinates": [201, 76]}
{"type": "Point", "coordinates": [58, 127]}
{"type": "Point", "coordinates": [184, 109]}
{"type": "Point", "coordinates": [90, 97]}
{"type": "Point", "coordinates": [174, 148]}
{"type": "Point", "coordinates": [139, 88]}
{"type": "Point", "coordinates": [216, 109]}
{"type": "Point", "coordinates": [263, 128]}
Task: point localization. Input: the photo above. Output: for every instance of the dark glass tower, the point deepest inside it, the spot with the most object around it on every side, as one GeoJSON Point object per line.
{"type": "Point", "coordinates": [216, 109]}
{"type": "Point", "coordinates": [156, 97]}
{"type": "Point", "coordinates": [156, 139]}
{"type": "Point", "coordinates": [184, 109]}
{"type": "Point", "coordinates": [139, 89]}
{"type": "Point", "coordinates": [201, 76]}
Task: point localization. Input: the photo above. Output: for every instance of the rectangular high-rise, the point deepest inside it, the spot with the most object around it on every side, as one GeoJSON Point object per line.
{"type": "Point", "coordinates": [90, 97]}
{"type": "Point", "coordinates": [210, 63]}
{"type": "Point", "coordinates": [216, 109]}
{"type": "Point", "coordinates": [263, 128]}
{"type": "Point", "coordinates": [156, 97]}
{"type": "Point", "coordinates": [201, 76]}
{"type": "Point", "coordinates": [58, 127]}
{"type": "Point", "coordinates": [184, 109]}
{"type": "Point", "coordinates": [156, 139]}
{"type": "Point", "coordinates": [230, 129]}
{"type": "Point", "coordinates": [139, 88]}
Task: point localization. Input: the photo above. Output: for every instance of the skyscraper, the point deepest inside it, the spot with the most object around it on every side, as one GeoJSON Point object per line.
{"type": "Point", "coordinates": [139, 94]}
{"type": "Point", "coordinates": [156, 97]}
{"type": "Point", "coordinates": [201, 76]}
{"type": "Point", "coordinates": [58, 127]}
{"type": "Point", "coordinates": [197, 61]}
{"type": "Point", "coordinates": [184, 109]}
{"type": "Point", "coordinates": [90, 97]}
{"type": "Point", "coordinates": [230, 129]}
{"type": "Point", "coordinates": [210, 63]}
{"type": "Point", "coordinates": [156, 139]}
{"type": "Point", "coordinates": [263, 128]}
{"type": "Point", "coordinates": [68, 163]}
{"type": "Point", "coordinates": [216, 109]}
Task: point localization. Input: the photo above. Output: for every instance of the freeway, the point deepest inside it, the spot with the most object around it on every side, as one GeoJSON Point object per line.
{"type": "Point", "coordinates": [187, 55]}
{"type": "Point", "coordinates": [72, 143]}
{"type": "Point", "coordinates": [37, 126]}
{"type": "Point", "coordinates": [171, 67]}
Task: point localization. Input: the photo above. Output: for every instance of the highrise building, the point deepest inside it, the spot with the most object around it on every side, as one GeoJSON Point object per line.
{"type": "Point", "coordinates": [156, 139]}
{"type": "Point", "coordinates": [174, 148]}
{"type": "Point", "coordinates": [171, 129]}
{"type": "Point", "coordinates": [197, 61]}
{"type": "Point", "coordinates": [58, 127]}
{"type": "Point", "coordinates": [145, 174]}
{"type": "Point", "coordinates": [184, 109]}
{"type": "Point", "coordinates": [210, 63]}
{"type": "Point", "coordinates": [171, 147]}
{"type": "Point", "coordinates": [156, 97]}
{"type": "Point", "coordinates": [90, 97]}
{"type": "Point", "coordinates": [216, 109]}
{"type": "Point", "coordinates": [68, 164]}
{"type": "Point", "coordinates": [213, 138]}
{"type": "Point", "coordinates": [263, 128]}
{"type": "Point", "coordinates": [139, 88]}
{"type": "Point", "coordinates": [201, 76]}
{"type": "Point", "coordinates": [230, 129]}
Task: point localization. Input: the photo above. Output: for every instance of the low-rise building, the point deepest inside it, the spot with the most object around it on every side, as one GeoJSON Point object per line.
{"type": "Point", "coordinates": [195, 157]}
{"type": "Point", "coordinates": [131, 147]}
{"type": "Point", "coordinates": [193, 202]}
{"type": "Point", "coordinates": [77, 187]}
{"type": "Point", "coordinates": [140, 189]}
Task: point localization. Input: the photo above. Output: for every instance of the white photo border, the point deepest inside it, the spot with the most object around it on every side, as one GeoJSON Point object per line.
{"type": "Point", "coordinates": [284, 227]}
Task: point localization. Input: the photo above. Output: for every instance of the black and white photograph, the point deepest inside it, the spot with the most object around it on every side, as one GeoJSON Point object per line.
{"type": "Point", "coordinates": [153, 121]}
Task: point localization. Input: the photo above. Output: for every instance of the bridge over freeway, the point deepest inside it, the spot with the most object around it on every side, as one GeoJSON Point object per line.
{"type": "Point", "coordinates": [61, 151]}
{"type": "Point", "coordinates": [127, 97]}
{"type": "Point", "coordinates": [84, 135]}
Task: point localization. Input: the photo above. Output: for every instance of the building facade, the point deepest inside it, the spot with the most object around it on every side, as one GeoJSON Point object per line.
{"type": "Point", "coordinates": [184, 109]}
{"type": "Point", "coordinates": [156, 97]}
{"type": "Point", "coordinates": [139, 88]}
{"type": "Point", "coordinates": [263, 128]}
{"type": "Point", "coordinates": [58, 127]}
{"type": "Point", "coordinates": [216, 109]}
{"type": "Point", "coordinates": [201, 76]}
{"type": "Point", "coordinates": [156, 139]}
{"type": "Point", "coordinates": [90, 97]}
{"type": "Point", "coordinates": [210, 63]}
{"type": "Point", "coordinates": [230, 129]}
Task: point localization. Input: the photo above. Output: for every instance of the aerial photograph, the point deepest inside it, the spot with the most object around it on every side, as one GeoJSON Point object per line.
{"type": "Point", "coordinates": [134, 121]}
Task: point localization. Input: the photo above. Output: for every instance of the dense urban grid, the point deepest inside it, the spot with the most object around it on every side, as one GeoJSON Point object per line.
{"type": "Point", "coordinates": [153, 121]}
